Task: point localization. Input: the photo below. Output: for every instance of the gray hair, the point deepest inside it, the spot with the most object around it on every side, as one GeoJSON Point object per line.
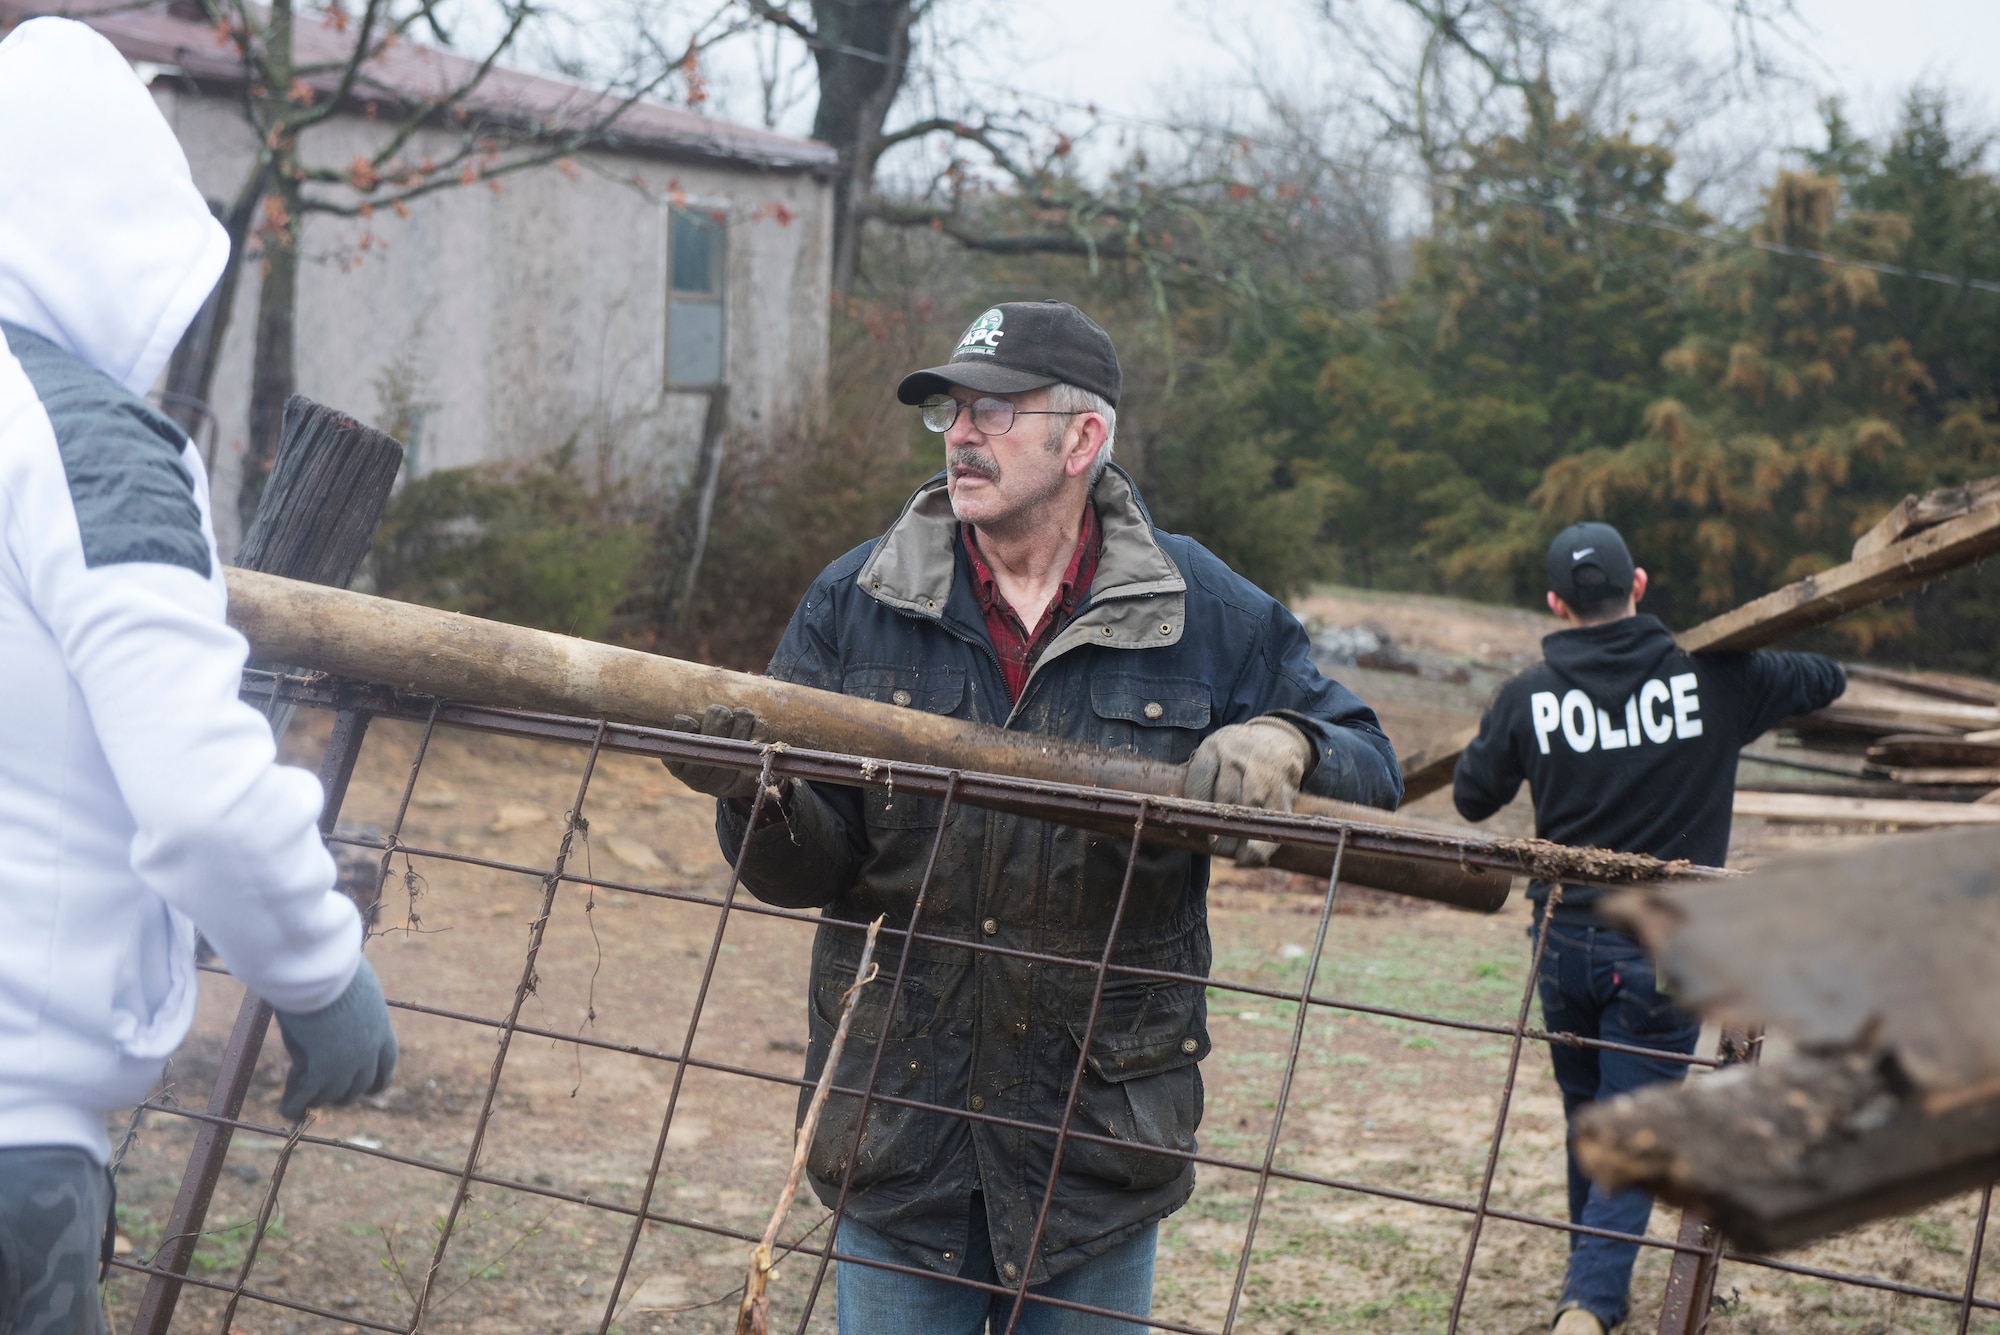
{"type": "Point", "coordinates": [1065, 398]}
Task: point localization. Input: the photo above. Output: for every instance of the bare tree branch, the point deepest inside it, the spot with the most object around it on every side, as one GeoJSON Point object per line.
{"type": "Point", "coordinates": [782, 15]}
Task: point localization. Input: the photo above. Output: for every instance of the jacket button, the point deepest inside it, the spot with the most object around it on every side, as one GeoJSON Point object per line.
{"type": "Point", "coordinates": [901, 698]}
{"type": "Point", "coordinates": [978, 1103]}
{"type": "Point", "coordinates": [1107, 632]}
{"type": "Point", "coordinates": [1153, 709]}
{"type": "Point", "coordinates": [1011, 1271]}
{"type": "Point", "coordinates": [1166, 629]}
{"type": "Point", "coordinates": [1190, 1045]}
{"type": "Point", "coordinates": [991, 926]}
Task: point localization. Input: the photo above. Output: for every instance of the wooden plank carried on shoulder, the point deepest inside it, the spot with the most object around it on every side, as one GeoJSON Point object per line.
{"type": "Point", "coordinates": [1831, 594]}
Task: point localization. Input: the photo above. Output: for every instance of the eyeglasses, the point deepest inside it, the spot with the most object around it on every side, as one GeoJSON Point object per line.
{"type": "Point", "coordinates": [990, 417]}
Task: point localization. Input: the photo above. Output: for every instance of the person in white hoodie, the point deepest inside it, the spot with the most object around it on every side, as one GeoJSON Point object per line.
{"type": "Point", "coordinates": [139, 797]}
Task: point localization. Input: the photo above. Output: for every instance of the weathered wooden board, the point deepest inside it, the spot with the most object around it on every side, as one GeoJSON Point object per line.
{"type": "Point", "coordinates": [1878, 961]}
{"type": "Point", "coordinates": [1915, 513]}
{"type": "Point", "coordinates": [1783, 1154]}
{"type": "Point", "coordinates": [1881, 789]}
{"type": "Point", "coordinates": [1919, 776]}
{"type": "Point", "coordinates": [1919, 749]}
{"type": "Point", "coordinates": [328, 488]}
{"type": "Point", "coordinates": [1942, 685]}
{"type": "Point", "coordinates": [1889, 943]}
{"type": "Point", "coordinates": [1875, 710]}
{"type": "Point", "coordinates": [1812, 809]}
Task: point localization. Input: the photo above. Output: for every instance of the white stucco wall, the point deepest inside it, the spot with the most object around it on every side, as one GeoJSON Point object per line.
{"type": "Point", "coordinates": [534, 316]}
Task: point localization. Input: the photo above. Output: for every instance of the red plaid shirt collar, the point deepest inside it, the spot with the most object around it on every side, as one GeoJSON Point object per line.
{"type": "Point", "coordinates": [1016, 647]}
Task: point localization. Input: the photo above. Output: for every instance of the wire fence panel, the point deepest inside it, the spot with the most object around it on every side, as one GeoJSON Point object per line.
{"type": "Point", "coordinates": [603, 1038]}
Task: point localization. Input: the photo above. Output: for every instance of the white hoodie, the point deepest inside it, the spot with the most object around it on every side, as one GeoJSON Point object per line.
{"type": "Point", "coordinates": [139, 796]}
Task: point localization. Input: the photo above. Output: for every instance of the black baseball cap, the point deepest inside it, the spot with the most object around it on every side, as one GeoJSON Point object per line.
{"type": "Point", "coordinates": [1589, 564]}
{"type": "Point", "coordinates": [1023, 345]}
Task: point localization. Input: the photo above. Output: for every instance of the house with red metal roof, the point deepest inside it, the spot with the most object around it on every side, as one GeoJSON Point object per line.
{"type": "Point", "coordinates": [667, 287]}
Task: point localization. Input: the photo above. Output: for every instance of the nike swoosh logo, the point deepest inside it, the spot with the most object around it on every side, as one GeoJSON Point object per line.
{"type": "Point", "coordinates": [1578, 556]}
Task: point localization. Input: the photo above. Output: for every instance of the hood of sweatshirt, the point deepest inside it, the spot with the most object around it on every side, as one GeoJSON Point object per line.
{"type": "Point", "coordinates": [1608, 662]}
{"type": "Point", "coordinates": [106, 247]}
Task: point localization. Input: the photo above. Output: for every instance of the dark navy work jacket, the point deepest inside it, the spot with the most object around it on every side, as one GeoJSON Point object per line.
{"type": "Point", "coordinates": [1170, 646]}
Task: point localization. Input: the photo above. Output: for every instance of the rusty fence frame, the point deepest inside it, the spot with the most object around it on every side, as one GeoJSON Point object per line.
{"type": "Point", "coordinates": [1697, 1251]}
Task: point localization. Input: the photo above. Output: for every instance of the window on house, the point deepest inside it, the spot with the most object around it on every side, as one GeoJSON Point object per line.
{"type": "Point", "coordinates": [694, 299]}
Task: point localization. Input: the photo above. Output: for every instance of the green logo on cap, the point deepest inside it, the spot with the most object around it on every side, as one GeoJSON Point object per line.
{"type": "Point", "coordinates": [985, 333]}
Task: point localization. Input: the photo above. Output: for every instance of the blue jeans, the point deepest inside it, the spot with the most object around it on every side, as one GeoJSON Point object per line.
{"type": "Point", "coordinates": [1597, 983]}
{"type": "Point", "coordinates": [886, 1302]}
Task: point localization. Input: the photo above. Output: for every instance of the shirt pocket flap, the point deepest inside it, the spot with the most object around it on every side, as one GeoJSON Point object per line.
{"type": "Point", "coordinates": [935, 690]}
{"type": "Point", "coordinates": [1151, 702]}
{"type": "Point", "coordinates": [1160, 1038]}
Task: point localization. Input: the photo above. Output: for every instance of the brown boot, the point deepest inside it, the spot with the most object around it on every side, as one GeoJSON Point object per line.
{"type": "Point", "coordinates": [1576, 1321]}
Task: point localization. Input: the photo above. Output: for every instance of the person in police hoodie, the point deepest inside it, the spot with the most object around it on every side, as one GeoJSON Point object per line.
{"type": "Point", "coordinates": [1627, 743]}
{"type": "Point", "coordinates": [139, 798]}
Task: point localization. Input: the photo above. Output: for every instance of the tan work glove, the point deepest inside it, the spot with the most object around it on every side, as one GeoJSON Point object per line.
{"type": "Point", "coordinates": [1254, 764]}
{"type": "Point", "coordinates": [740, 725]}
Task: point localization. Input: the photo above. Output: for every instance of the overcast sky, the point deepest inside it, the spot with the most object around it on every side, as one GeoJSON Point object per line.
{"type": "Point", "coordinates": [1146, 58]}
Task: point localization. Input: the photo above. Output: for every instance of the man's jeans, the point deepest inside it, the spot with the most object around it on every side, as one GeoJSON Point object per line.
{"type": "Point", "coordinates": [887, 1302]}
{"type": "Point", "coordinates": [55, 1203]}
{"type": "Point", "coordinates": [1597, 983]}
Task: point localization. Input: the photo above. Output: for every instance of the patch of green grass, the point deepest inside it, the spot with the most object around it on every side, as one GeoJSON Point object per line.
{"type": "Point", "coordinates": [1435, 973]}
{"type": "Point", "coordinates": [223, 1247]}
{"type": "Point", "coordinates": [1936, 1235]}
{"type": "Point", "coordinates": [139, 1225]}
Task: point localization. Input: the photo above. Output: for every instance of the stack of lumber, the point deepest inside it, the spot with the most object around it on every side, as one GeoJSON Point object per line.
{"type": "Point", "coordinates": [1918, 748]}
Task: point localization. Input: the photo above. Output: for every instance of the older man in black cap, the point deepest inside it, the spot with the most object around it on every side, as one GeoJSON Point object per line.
{"type": "Point", "coordinates": [1627, 743]}
{"type": "Point", "coordinates": [1026, 587]}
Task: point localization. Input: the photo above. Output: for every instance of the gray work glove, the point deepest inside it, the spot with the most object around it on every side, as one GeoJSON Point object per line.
{"type": "Point", "coordinates": [740, 725]}
{"type": "Point", "coordinates": [1254, 764]}
{"type": "Point", "coordinates": [338, 1052]}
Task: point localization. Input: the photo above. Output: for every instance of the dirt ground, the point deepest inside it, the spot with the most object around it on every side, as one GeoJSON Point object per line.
{"type": "Point", "coordinates": [1376, 1101]}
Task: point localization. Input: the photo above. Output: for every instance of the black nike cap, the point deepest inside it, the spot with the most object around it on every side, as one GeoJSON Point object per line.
{"type": "Point", "coordinates": [1022, 345]}
{"type": "Point", "coordinates": [1589, 564]}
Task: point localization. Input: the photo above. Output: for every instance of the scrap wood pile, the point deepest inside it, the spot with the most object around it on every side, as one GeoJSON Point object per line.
{"type": "Point", "coordinates": [1917, 748]}
{"type": "Point", "coordinates": [1897, 747]}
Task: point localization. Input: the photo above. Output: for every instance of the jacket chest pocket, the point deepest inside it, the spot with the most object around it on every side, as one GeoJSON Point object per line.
{"type": "Point", "coordinates": [1159, 718]}
{"type": "Point", "coordinates": [934, 690]}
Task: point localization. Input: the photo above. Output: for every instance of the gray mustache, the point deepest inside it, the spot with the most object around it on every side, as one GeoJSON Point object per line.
{"type": "Point", "coordinates": [974, 462]}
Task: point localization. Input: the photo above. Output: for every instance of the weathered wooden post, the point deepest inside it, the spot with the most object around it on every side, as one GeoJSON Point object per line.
{"type": "Point", "coordinates": [315, 521]}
